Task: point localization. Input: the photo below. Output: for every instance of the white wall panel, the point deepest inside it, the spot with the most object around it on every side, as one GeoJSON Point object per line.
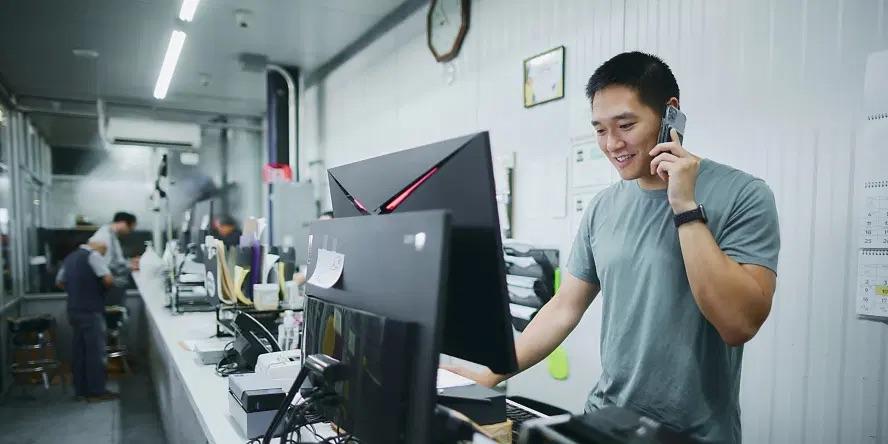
{"type": "Point", "coordinates": [773, 87]}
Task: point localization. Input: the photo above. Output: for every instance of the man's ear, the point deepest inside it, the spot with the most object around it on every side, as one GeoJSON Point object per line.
{"type": "Point", "coordinates": [673, 101]}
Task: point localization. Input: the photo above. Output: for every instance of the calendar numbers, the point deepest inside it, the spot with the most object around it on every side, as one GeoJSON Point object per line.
{"type": "Point", "coordinates": [874, 230]}
{"type": "Point", "coordinates": [872, 264]}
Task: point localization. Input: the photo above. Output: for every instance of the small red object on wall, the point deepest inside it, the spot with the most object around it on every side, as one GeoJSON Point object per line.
{"type": "Point", "coordinates": [277, 173]}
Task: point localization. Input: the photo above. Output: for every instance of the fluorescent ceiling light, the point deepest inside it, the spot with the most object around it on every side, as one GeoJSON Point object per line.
{"type": "Point", "coordinates": [86, 53]}
{"type": "Point", "coordinates": [189, 7]}
{"type": "Point", "coordinates": [177, 40]}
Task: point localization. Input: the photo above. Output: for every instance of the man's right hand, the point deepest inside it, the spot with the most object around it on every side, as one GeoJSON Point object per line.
{"type": "Point", "coordinates": [486, 377]}
{"type": "Point", "coordinates": [546, 330]}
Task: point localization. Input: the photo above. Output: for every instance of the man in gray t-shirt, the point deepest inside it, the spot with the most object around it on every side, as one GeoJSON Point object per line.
{"type": "Point", "coordinates": [684, 287]}
{"type": "Point", "coordinates": [123, 224]}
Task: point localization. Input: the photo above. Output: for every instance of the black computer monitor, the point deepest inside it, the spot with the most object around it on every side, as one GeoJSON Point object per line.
{"type": "Point", "coordinates": [456, 175]}
{"type": "Point", "coordinates": [394, 270]}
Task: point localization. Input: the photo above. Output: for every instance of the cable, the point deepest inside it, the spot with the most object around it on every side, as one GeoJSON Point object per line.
{"type": "Point", "coordinates": [282, 410]}
{"type": "Point", "coordinates": [225, 367]}
{"type": "Point", "coordinates": [289, 428]}
{"type": "Point", "coordinates": [306, 417]}
{"type": "Point", "coordinates": [336, 439]}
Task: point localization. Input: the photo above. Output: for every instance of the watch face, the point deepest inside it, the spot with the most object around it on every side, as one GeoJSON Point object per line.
{"type": "Point", "coordinates": [703, 213]}
{"type": "Point", "coordinates": [444, 25]}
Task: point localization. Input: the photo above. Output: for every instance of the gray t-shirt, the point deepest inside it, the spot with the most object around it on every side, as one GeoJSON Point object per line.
{"type": "Point", "coordinates": [96, 262]}
{"type": "Point", "coordinates": [114, 255]}
{"type": "Point", "coordinates": [659, 355]}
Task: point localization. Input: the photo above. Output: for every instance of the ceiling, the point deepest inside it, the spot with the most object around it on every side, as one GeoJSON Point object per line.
{"type": "Point", "coordinates": [131, 36]}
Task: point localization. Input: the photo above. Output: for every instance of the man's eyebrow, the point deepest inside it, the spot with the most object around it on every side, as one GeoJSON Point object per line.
{"type": "Point", "coordinates": [621, 116]}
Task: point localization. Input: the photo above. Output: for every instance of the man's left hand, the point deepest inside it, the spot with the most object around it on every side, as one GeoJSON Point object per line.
{"type": "Point", "coordinates": [679, 169]}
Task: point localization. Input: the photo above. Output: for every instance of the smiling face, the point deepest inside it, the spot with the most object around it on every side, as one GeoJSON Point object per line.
{"type": "Point", "coordinates": [627, 130]}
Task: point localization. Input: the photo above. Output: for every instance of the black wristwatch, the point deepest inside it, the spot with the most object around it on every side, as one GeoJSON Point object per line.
{"type": "Point", "coordinates": [689, 216]}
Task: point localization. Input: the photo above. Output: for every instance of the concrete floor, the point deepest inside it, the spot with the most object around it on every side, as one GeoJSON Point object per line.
{"type": "Point", "coordinates": [38, 416]}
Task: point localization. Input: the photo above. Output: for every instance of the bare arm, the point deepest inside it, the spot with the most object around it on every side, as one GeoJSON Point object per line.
{"type": "Point", "coordinates": [108, 280]}
{"type": "Point", "coordinates": [734, 298]}
{"type": "Point", "coordinates": [60, 278]}
{"type": "Point", "coordinates": [546, 331]}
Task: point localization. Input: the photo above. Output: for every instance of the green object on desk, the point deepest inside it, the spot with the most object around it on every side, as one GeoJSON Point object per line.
{"type": "Point", "coordinates": [557, 279]}
{"type": "Point", "coordinates": [558, 365]}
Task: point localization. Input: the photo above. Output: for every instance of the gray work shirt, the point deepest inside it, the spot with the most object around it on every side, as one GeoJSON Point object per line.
{"type": "Point", "coordinates": [659, 355]}
{"type": "Point", "coordinates": [114, 255]}
{"type": "Point", "coordinates": [96, 262]}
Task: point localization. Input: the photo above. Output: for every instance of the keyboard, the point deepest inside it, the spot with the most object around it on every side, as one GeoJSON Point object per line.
{"type": "Point", "coordinates": [519, 414]}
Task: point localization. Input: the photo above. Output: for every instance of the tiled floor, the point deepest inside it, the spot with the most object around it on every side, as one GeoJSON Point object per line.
{"type": "Point", "coordinates": [54, 416]}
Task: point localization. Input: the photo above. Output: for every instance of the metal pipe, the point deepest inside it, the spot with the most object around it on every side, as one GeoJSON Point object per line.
{"type": "Point", "coordinates": [103, 130]}
{"type": "Point", "coordinates": [16, 215]}
{"type": "Point", "coordinates": [92, 115]}
{"type": "Point", "coordinates": [385, 24]}
{"type": "Point", "coordinates": [130, 103]}
{"type": "Point", "coordinates": [9, 306]}
{"type": "Point", "coordinates": [4, 142]}
{"type": "Point", "coordinates": [6, 96]}
{"type": "Point", "coordinates": [33, 176]}
{"type": "Point", "coordinates": [291, 112]}
{"type": "Point", "coordinates": [223, 161]}
{"type": "Point", "coordinates": [231, 126]}
{"type": "Point", "coordinates": [53, 112]}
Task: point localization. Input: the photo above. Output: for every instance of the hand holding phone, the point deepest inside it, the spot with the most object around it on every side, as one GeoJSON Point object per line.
{"type": "Point", "coordinates": [673, 163]}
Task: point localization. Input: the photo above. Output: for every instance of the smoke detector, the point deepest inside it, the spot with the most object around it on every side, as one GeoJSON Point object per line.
{"type": "Point", "coordinates": [243, 18]}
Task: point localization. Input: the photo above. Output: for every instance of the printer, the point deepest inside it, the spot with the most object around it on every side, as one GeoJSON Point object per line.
{"type": "Point", "coordinates": [253, 401]}
{"type": "Point", "coordinates": [283, 365]}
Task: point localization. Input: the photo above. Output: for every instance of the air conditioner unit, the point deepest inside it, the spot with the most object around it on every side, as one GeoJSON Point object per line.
{"type": "Point", "coordinates": [134, 131]}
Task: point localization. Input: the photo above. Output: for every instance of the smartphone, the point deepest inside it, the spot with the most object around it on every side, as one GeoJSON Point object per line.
{"type": "Point", "coordinates": [672, 118]}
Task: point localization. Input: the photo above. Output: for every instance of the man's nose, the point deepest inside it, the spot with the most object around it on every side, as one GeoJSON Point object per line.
{"type": "Point", "coordinates": [614, 143]}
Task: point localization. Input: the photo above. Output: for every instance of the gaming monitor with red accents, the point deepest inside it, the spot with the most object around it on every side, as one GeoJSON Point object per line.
{"type": "Point", "coordinates": [454, 175]}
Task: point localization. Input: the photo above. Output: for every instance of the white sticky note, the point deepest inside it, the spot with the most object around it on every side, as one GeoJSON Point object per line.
{"type": "Point", "coordinates": [328, 269]}
{"type": "Point", "coordinates": [448, 379]}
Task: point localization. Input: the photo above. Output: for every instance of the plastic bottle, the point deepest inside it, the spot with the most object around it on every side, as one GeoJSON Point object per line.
{"type": "Point", "coordinates": [284, 329]}
{"type": "Point", "coordinates": [297, 330]}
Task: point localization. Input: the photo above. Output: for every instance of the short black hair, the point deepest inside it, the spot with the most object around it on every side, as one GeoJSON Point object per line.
{"type": "Point", "coordinates": [123, 216]}
{"type": "Point", "coordinates": [227, 219]}
{"type": "Point", "coordinates": [647, 74]}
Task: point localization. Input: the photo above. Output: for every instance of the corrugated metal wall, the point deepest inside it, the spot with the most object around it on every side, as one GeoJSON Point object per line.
{"type": "Point", "coordinates": [772, 87]}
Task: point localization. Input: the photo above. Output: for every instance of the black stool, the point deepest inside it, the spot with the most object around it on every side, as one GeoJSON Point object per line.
{"type": "Point", "coordinates": [34, 349]}
{"type": "Point", "coordinates": [114, 318]}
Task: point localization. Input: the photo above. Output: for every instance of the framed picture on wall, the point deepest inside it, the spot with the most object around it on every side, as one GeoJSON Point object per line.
{"type": "Point", "coordinates": [544, 77]}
